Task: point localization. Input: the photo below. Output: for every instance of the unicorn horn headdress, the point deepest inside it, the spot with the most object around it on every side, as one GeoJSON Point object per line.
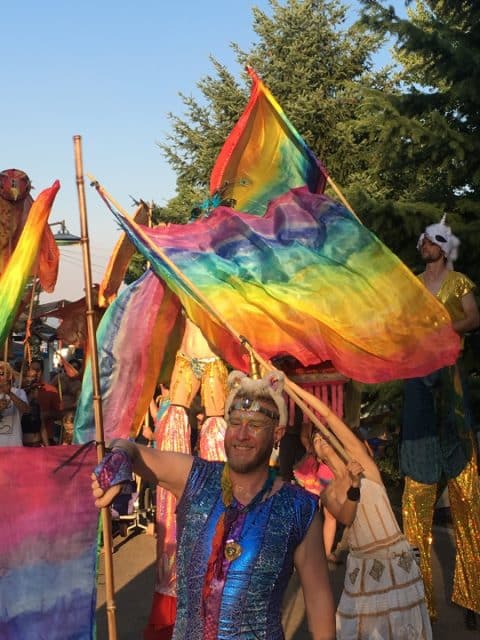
{"type": "Point", "coordinates": [441, 235]}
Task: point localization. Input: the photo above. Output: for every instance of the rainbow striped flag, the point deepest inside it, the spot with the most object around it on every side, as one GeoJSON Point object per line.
{"type": "Point", "coordinates": [307, 279]}
{"type": "Point", "coordinates": [19, 267]}
{"type": "Point", "coordinates": [263, 156]}
{"type": "Point", "coordinates": [47, 544]}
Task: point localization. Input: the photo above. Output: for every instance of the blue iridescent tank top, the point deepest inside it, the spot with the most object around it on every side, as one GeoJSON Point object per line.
{"type": "Point", "coordinates": [256, 581]}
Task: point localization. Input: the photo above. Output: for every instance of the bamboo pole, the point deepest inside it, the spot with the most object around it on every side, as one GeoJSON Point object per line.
{"type": "Point", "coordinates": [327, 413]}
{"type": "Point", "coordinates": [97, 398]}
{"type": "Point", "coordinates": [341, 197]}
{"type": "Point", "coordinates": [27, 354]}
{"type": "Point", "coordinates": [146, 420]}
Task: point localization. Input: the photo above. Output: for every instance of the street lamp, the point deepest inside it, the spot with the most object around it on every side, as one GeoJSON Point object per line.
{"type": "Point", "coordinates": [64, 237]}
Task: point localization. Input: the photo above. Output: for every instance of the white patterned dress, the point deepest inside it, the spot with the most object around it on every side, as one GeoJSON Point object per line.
{"type": "Point", "coordinates": [383, 596]}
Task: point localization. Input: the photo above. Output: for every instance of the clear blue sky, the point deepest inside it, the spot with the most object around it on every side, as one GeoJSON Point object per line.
{"type": "Point", "coordinates": [110, 72]}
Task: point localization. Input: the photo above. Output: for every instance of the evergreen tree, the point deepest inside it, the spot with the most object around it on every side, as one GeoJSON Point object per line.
{"type": "Point", "coordinates": [425, 133]}
{"type": "Point", "coordinates": [425, 144]}
{"type": "Point", "coordinates": [313, 64]}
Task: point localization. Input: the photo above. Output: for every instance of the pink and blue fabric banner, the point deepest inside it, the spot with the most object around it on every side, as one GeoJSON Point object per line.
{"type": "Point", "coordinates": [134, 338]}
{"type": "Point", "coordinates": [47, 544]}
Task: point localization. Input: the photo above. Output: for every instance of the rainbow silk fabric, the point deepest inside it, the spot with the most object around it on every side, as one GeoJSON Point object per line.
{"type": "Point", "coordinates": [303, 278]}
{"type": "Point", "coordinates": [308, 280]}
{"type": "Point", "coordinates": [22, 261]}
{"type": "Point", "coordinates": [132, 344]}
{"type": "Point", "coordinates": [263, 156]}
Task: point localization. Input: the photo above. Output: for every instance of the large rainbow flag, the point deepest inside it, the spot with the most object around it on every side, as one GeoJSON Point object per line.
{"type": "Point", "coordinates": [47, 544]}
{"type": "Point", "coordinates": [307, 279]}
{"type": "Point", "coordinates": [264, 156]}
{"type": "Point", "coordinates": [19, 267]}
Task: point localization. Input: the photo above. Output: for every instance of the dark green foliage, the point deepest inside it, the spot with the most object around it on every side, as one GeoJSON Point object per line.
{"type": "Point", "coordinates": [424, 140]}
{"type": "Point", "coordinates": [313, 64]}
{"type": "Point", "coordinates": [425, 132]}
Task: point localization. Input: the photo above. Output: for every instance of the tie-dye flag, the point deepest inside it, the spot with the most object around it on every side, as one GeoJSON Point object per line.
{"type": "Point", "coordinates": [47, 544]}
{"type": "Point", "coordinates": [135, 333]}
{"type": "Point", "coordinates": [118, 263]}
{"type": "Point", "coordinates": [307, 280]}
{"type": "Point", "coordinates": [264, 156]}
{"type": "Point", "coordinates": [19, 267]}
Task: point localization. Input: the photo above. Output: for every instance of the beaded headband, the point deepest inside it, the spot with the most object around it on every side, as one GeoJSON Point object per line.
{"type": "Point", "coordinates": [247, 403]}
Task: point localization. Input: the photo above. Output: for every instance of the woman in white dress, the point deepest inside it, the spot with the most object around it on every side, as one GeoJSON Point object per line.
{"type": "Point", "coordinates": [383, 596]}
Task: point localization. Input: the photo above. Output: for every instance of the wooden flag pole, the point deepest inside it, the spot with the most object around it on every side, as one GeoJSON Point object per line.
{"type": "Point", "coordinates": [341, 197]}
{"type": "Point", "coordinates": [97, 397]}
{"type": "Point", "coordinates": [326, 412]}
{"type": "Point", "coordinates": [27, 354]}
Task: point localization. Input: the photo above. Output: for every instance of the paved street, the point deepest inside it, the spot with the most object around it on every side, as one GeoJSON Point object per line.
{"type": "Point", "coordinates": [134, 576]}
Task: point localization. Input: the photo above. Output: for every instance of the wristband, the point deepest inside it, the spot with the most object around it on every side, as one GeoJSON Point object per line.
{"type": "Point", "coordinates": [353, 494]}
{"type": "Point", "coordinates": [120, 444]}
{"type": "Point", "coordinates": [115, 468]}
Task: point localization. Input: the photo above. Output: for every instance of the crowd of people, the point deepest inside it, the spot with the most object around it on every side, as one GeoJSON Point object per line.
{"type": "Point", "coordinates": [241, 526]}
{"type": "Point", "coordinates": [36, 411]}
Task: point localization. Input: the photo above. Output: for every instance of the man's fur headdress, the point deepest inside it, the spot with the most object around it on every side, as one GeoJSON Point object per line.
{"type": "Point", "coordinates": [270, 387]}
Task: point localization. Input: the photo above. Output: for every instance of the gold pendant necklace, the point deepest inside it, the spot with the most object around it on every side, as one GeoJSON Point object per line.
{"type": "Point", "coordinates": [233, 550]}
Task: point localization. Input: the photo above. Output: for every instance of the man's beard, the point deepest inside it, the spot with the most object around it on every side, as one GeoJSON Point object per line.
{"type": "Point", "coordinates": [259, 461]}
{"type": "Point", "coordinates": [430, 259]}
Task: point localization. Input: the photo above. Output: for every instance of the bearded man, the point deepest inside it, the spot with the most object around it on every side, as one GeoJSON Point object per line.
{"type": "Point", "coordinates": [437, 439]}
{"type": "Point", "coordinates": [241, 530]}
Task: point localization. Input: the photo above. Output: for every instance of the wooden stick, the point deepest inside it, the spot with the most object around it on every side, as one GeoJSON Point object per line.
{"type": "Point", "coordinates": [26, 346]}
{"type": "Point", "coordinates": [97, 397]}
{"type": "Point", "coordinates": [223, 322]}
{"type": "Point", "coordinates": [341, 197]}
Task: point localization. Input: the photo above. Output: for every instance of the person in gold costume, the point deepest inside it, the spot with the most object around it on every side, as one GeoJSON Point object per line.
{"type": "Point", "coordinates": [437, 437]}
{"type": "Point", "coordinates": [198, 369]}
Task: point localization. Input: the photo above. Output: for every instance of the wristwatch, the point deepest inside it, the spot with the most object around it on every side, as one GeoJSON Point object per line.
{"type": "Point", "coordinates": [353, 494]}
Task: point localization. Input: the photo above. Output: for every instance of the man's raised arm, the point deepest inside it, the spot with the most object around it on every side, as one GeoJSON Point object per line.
{"type": "Point", "coordinates": [166, 468]}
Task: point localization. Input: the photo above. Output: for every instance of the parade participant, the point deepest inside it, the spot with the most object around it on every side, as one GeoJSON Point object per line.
{"type": "Point", "coordinates": [46, 397]}
{"type": "Point", "coordinates": [68, 381]}
{"type": "Point", "coordinates": [13, 404]}
{"type": "Point", "coordinates": [241, 529]}
{"type": "Point", "coordinates": [315, 476]}
{"type": "Point", "coordinates": [383, 594]}
{"type": "Point", "coordinates": [34, 430]}
{"type": "Point", "coordinates": [437, 438]}
{"type": "Point", "coordinates": [197, 369]}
